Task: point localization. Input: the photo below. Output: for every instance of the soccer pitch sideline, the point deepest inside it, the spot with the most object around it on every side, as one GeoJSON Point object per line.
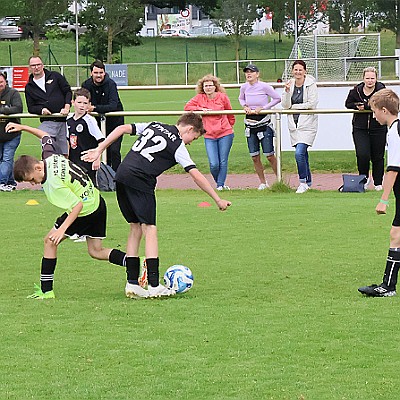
{"type": "Point", "coordinates": [274, 312]}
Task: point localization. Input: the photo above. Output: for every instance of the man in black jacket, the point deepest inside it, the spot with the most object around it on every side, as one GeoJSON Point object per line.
{"type": "Point", "coordinates": [105, 99]}
{"type": "Point", "coordinates": [48, 92]}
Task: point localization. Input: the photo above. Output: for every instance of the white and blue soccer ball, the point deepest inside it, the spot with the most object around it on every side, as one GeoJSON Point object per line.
{"type": "Point", "coordinates": [178, 278]}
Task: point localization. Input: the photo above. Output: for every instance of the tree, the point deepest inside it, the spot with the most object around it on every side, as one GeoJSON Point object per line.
{"type": "Point", "coordinates": [236, 17]}
{"type": "Point", "coordinates": [34, 14]}
{"type": "Point", "coordinates": [109, 23]}
{"type": "Point", "coordinates": [346, 14]}
{"type": "Point", "coordinates": [387, 16]}
{"type": "Point", "coordinates": [309, 13]}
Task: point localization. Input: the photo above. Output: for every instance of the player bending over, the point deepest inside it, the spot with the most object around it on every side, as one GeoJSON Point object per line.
{"type": "Point", "coordinates": [69, 188]}
{"type": "Point", "coordinates": [158, 148]}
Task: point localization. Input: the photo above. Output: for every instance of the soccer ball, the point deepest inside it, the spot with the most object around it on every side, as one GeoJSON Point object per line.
{"type": "Point", "coordinates": [179, 278]}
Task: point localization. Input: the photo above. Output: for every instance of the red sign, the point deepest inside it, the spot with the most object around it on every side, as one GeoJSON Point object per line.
{"type": "Point", "coordinates": [20, 77]}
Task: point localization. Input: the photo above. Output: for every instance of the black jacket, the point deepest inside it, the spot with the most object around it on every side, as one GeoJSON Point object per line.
{"type": "Point", "coordinates": [363, 120]}
{"type": "Point", "coordinates": [58, 93]}
{"type": "Point", "coordinates": [106, 99]}
{"type": "Point", "coordinates": [10, 103]}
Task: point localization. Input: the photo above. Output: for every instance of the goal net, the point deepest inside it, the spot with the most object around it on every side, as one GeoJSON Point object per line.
{"type": "Point", "coordinates": [336, 57]}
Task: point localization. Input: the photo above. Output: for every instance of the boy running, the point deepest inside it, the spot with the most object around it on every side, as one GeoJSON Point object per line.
{"type": "Point", "coordinates": [158, 148]}
{"type": "Point", "coordinates": [69, 188]}
{"type": "Point", "coordinates": [385, 106]}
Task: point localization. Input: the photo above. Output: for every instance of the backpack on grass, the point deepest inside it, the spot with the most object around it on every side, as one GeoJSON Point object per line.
{"type": "Point", "coordinates": [105, 178]}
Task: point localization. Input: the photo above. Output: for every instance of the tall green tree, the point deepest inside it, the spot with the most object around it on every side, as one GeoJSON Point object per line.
{"type": "Point", "coordinates": [236, 18]}
{"type": "Point", "coordinates": [110, 22]}
{"type": "Point", "coordinates": [386, 14]}
{"type": "Point", "coordinates": [346, 14]}
{"type": "Point", "coordinates": [35, 13]}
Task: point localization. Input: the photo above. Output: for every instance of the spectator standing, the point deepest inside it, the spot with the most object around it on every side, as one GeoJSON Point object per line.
{"type": "Point", "coordinates": [300, 93]}
{"type": "Point", "coordinates": [48, 92]}
{"type": "Point", "coordinates": [10, 103]}
{"type": "Point", "coordinates": [104, 99]}
{"type": "Point", "coordinates": [219, 128]}
{"type": "Point", "coordinates": [254, 97]}
{"type": "Point", "coordinates": [368, 135]}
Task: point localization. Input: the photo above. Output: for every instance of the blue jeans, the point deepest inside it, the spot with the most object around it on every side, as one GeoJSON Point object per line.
{"type": "Point", "coordinates": [7, 152]}
{"type": "Point", "coordinates": [303, 166]}
{"type": "Point", "coordinates": [218, 153]}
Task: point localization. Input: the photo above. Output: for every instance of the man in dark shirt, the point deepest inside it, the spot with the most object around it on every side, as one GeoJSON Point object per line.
{"type": "Point", "coordinates": [104, 99]}
{"type": "Point", "coordinates": [48, 92]}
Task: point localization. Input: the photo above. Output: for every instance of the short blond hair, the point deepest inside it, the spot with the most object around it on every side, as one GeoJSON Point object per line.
{"type": "Point", "coordinates": [385, 98]}
{"type": "Point", "coordinates": [370, 69]}
{"type": "Point", "coordinates": [209, 78]}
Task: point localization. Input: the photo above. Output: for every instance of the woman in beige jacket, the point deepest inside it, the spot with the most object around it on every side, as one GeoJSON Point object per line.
{"type": "Point", "coordinates": [300, 93]}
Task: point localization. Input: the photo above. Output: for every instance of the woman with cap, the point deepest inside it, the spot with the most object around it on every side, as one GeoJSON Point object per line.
{"type": "Point", "coordinates": [255, 97]}
{"type": "Point", "coordinates": [218, 138]}
{"type": "Point", "coordinates": [300, 93]}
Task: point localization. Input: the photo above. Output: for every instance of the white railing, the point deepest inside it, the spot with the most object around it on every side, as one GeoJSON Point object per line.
{"type": "Point", "coordinates": [276, 115]}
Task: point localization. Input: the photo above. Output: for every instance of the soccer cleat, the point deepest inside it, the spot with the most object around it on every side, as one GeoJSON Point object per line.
{"type": "Point", "coordinates": [377, 291]}
{"type": "Point", "coordinates": [39, 295]}
{"type": "Point", "coordinates": [135, 291]}
{"type": "Point", "coordinates": [263, 186]}
{"type": "Point", "coordinates": [160, 291]}
{"type": "Point", "coordinates": [303, 187]}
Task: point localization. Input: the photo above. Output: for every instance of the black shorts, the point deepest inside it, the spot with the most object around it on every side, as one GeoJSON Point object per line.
{"type": "Point", "coordinates": [136, 206]}
{"type": "Point", "coordinates": [92, 225]}
{"type": "Point", "coordinates": [396, 191]}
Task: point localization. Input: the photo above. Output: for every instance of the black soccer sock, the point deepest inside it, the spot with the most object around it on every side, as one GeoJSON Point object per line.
{"type": "Point", "coordinates": [392, 269]}
{"type": "Point", "coordinates": [117, 257]}
{"type": "Point", "coordinates": [153, 274]}
{"type": "Point", "coordinates": [47, 274]}
{"type": "Point", "coordinates": [132, 269]}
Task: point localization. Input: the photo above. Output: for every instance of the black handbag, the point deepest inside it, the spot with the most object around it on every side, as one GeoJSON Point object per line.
{"type": "Point", "coordinates": [353, 183]}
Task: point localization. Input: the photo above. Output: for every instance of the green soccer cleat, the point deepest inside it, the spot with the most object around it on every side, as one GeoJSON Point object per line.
{"type": "Point", "coordinates": [39, 295]}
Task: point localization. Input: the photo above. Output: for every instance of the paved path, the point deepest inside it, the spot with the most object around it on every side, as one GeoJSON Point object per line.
{"type": "Point", "coordinates": [239, 181]}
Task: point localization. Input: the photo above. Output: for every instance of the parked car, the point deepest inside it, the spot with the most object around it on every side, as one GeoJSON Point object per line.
{"type": "Point", "coordinates": [174, 33]}
{"type": "Point", "coordinates": [68, 26]}
{"type": "Point", "coordinates": [207, 31]}
{"type": "Point", "coordinates": [10, 29]}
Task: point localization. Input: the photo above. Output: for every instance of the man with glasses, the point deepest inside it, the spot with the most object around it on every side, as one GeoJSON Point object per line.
{"type": "Point", "coordinates": [47, 93]}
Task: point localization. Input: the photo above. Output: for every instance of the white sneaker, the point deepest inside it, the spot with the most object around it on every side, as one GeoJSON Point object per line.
{"type": "Point", "coordinates": [160, 291]}
{"type": "Point", "coordinates": [367, 184]}
{"type": "Point", "coordinates": [263, 186]}
{"type": "Point", "coordinates": [5, 188]}
{"type": "Point", "coordinates": [303, 187]}
{"type": "Point", "coordinates": [135, 291]}
{"type": "Point", "coordinates": [227, 187]}
{"type": "Point", "coordinates": [378, 188]}
{"type": "Point", "coordinates": [220, 188]}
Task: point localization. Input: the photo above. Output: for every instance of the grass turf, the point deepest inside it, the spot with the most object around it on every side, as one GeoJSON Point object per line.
{"type": "Point", "coordinates": [274, 312]}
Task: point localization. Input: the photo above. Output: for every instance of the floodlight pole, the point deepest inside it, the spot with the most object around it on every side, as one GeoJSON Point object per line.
{"type": "Point", "coordinates": [76, 42]}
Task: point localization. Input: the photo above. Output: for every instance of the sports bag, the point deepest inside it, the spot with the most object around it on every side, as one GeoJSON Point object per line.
{"type": "Point", "coordinates": [105, 178]}
{"type": "Point", "coordinates": [353, 183]}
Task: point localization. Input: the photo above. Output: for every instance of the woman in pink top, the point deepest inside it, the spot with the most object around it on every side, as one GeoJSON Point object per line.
{"type": "Point", "coordinates": [219, 128]}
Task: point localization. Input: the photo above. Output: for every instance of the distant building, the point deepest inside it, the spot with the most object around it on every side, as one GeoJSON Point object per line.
{"type": "Point", "coordinates": [156, 19]}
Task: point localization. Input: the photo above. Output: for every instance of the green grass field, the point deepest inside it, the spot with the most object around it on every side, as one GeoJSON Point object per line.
{"type": "Point", "coordinates": [62, 52]}
{"type": "Point", "coordinates": [274, 312]}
